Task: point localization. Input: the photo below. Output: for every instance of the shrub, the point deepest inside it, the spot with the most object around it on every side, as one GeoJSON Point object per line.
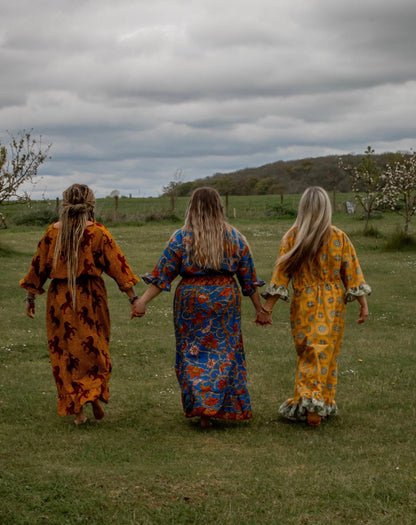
{"type": "Point", "coordinates": [400, 241]}
{"type": "Point", "coordinates": [158, 216]}
{"type": "Point", "coordinates": [38, 217]}
{"type": "Point", "coordinates": [280, 210]}
{"type": "Point", "coordinates": [373, 231]}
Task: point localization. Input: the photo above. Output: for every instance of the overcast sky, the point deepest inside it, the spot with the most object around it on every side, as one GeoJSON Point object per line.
{"type": "Point", "coordinates": [130, 91]}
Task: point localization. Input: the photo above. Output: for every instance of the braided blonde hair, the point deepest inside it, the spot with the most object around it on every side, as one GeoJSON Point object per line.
{"type": "Point", "coordinates": [313, 229]}
{"type": "Point", "coordinates": [205, 219]}
{"type": "Point", "coordinates": [78, 204]}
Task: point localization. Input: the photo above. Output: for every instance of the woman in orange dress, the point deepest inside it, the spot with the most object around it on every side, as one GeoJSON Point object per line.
{"type": "Point", "coordinates": [322, 264]}
{"type": "Point", "coordinates": [74, 253]}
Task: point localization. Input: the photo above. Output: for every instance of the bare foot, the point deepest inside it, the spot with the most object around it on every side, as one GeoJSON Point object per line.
{"type": "Point", "coordinates": [97, 410]}
{"type": "Point", "coordinates": [205, 421]}
{"type": "Point", "coordinates": [80, 418]}
{"type": "Point", "coordinates": [314, 419]}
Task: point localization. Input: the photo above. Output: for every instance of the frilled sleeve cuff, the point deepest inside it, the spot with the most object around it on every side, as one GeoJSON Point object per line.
{"type": "Point", "coordinates": [274, 289]}
{"type": "Point", "coordinates": [31, 288]}
{"type": "Point", "coordinates": [356, 291]}
{"type": "Point", "coordinates": [249, 288]}
{"type": "Point", "coordinates": [148, 278]}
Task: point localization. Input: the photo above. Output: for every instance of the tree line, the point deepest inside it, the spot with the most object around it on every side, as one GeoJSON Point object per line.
{"type": "Point", "coordinates": [292, 176]}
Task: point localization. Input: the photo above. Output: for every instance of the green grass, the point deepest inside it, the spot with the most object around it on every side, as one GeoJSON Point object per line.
{"type": "Point", "coordinates": [136, 209]}
{"type": "Point", "coordinates": [146, 464]}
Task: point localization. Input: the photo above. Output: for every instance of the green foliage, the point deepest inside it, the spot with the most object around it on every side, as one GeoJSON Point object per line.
{"type": "Point", "coordinates": [37, 217]}
{"type": "Point", "coordinates": [280, 211]}
{"type": "Point", "coordinates": [373, 231]}
{"type": "Point", "coordinates": [293, 176]}
{"type": "Point", "coordinates": [400, 241]}
{"type": "Point", "coordinates": [161, 216]}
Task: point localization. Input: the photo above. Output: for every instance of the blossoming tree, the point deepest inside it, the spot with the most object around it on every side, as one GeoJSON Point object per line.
{"type": "Point", "coordinates": [366, 183]}
{"type": "Point", "coordinates": [399, 188]}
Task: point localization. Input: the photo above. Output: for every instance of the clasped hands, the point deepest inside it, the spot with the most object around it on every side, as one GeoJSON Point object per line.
{"type": "Point", "coordinates": [262, 318]}
{"type": "Point", "coordinates": [138, 309]}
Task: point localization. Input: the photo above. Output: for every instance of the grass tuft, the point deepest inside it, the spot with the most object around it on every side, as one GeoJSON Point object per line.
{"type": "Point", "coordinates": [399, 241]}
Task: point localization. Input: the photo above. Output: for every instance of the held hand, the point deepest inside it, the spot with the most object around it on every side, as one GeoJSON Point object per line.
{"type": "Point", "coordinates": [362, 316]}
{"type": "Point", "coordinates": [30, 309]}
{"type": "Point", "coordinates": [263, 319]}
{"type": "Point", "coordinates": [138, 309]}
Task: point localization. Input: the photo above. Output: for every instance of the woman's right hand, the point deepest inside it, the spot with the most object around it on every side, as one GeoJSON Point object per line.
{"type": "Point", "coordinates": [30, 309]}
{"type": "Point", "coordinates": [263, 319]}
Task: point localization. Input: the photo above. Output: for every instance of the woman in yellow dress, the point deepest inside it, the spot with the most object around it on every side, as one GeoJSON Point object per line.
{"type": "Point", "coordinates": [74, 253]}
{"type": "Point", "coordinates": [322, 265]}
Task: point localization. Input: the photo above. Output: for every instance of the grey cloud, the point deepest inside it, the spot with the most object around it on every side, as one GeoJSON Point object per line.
{"type": "Point", "coordinates": [132, 91]}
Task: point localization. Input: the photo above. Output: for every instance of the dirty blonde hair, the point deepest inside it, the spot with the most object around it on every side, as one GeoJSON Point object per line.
{"type": "Point", "coordinates": [312, 227]}
{"type": "Point", "coordinates": [78, 204]}
{"type": "Point", "coordinates": [211, 234]}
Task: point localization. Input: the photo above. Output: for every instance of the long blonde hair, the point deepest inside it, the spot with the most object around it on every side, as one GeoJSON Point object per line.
{"type": "Point", "coordinates": [312, 227]}
{"type": "Point", "coordinates": [205, 219]}
{"type": "Point", "coordinates": [78, 203]}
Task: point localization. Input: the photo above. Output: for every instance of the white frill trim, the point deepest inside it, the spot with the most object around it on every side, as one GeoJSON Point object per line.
{"type": "Point", "coordinates": [274, 289]}
{"type": "Point", "coordinates": [356, 291]}
{"type": "Point", "coordinates": [299, 411]}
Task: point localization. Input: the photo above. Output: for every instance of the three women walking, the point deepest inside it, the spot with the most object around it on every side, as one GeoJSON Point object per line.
{"type": "Point", "coordinates": [210, 256]}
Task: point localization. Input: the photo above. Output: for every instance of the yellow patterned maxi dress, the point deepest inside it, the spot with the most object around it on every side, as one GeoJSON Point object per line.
{"type": "Point", "coordinates": [78, 339]}
{"type": "Point", "coordinates": [317, 316]}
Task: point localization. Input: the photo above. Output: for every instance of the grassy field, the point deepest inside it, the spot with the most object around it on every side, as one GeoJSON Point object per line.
{"type": "Point", "coordinates": [146, 464]}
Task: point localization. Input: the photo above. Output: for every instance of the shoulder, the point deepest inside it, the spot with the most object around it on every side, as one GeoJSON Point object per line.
{"type": "Point", "coordinates": [50, 234]}
{"type": "Point", "coordinates": [336, 231]}
{"type": "Point", "coordinates": [339, 236]}
{"type": "Point", "coordinates": [178, 239]}
{"type": "Point", "coordinates": [290, 236]}
{"type": "Point", "coordinates": [52, 231]}
{"type": "Point", "coordinates": [179, 235]}
{"type": "Point", "coordinates": [100, 234]}
{"type": "Point", "coordinates": [98, 228]}
{"type": "Point", "coordinates": [233, 233]}
{"type": "Point", "coordinates": [236, 238]}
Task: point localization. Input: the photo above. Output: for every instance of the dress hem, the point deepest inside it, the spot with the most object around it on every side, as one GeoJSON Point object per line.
{"type": "Point", "coordinates": [65, 408]}
{"type": "Point", "coordinates": [202, 411]}
{"type": "Point", "coordinates": [298, 410]}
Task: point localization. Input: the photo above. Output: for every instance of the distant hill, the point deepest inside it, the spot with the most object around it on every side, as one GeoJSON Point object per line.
{"type": "Point", "coordinates": [292, 176]}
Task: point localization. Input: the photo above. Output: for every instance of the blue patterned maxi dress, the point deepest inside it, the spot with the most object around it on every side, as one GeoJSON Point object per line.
{"type": "Point", "coordinates": [210, 361]}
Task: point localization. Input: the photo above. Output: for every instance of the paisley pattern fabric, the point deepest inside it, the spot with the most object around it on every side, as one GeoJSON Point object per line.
{"type": "Point", "coordinates": [78, 339]}
{"type": "Point", "coordinates": [317, 317]}
{"type": "Point", "coordinates": [210, 360]}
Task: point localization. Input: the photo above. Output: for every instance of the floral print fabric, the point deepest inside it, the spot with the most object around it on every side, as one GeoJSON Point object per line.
{"type": "Point", "coordinates": [210, 360]}
{"type": "Point", "coordinates": [317, 317]}
{"type": "Point", "coordinates": [78, 339]}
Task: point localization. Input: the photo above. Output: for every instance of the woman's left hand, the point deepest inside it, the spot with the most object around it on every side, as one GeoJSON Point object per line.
{"type": "Point", "coordinates": [138, 309]}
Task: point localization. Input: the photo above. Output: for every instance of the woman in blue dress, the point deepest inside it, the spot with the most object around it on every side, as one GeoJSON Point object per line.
{"type": "Point", "coordinates": [210, 363]}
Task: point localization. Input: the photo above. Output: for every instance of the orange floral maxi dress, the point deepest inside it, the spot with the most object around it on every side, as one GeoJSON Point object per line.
{"type": "Point", "coordinates": [78, 339]}
{"type": "Point", "coordinates": [317, 316]}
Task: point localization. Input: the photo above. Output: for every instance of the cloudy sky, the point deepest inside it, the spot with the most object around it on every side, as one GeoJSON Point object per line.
{"type": "Point", "coordinates": [130, 91]}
